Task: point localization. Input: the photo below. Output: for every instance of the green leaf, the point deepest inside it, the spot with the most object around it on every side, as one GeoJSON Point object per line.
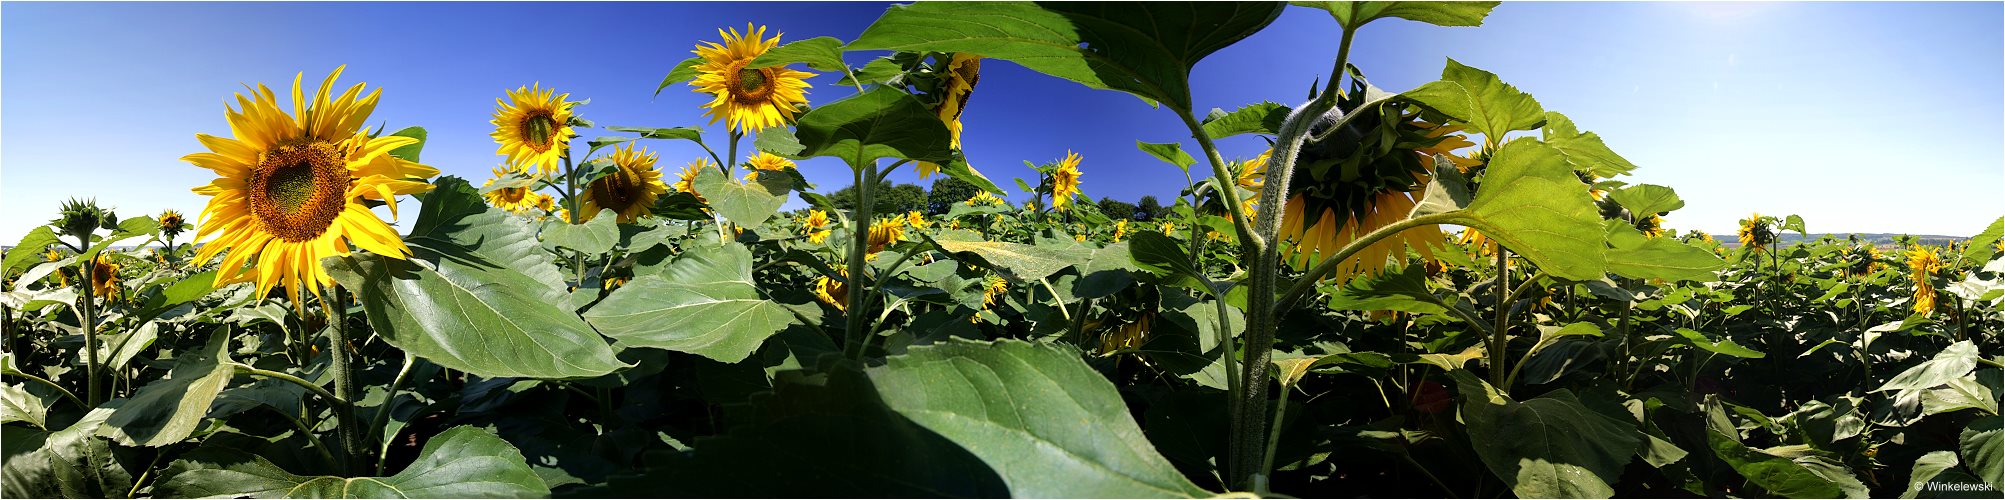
{"type": "Point", "coordinates": [821, 53]}
{"type": "Point", "coordinates": [777, 140]}
{"type": "Point", "coordinates": [1171, 153]}
{"type": "Point", "coordinates": [683, 72]}
{"type": "Point", "coordinates": [166, 411]}
{"type": "Point", "coordinates": [1109, 271]}
{"type": "Point", "coordinates": [1551, 446]}
{"type": "Point", "coordinates": [1633, 255]}
{"type": "Point", "coordinates": [1020, 261]}
{"type": "Point", "coordinates": [703, 303]}
{"type": "Point", "coordinates": [1647, 199]}
{"type": "Point", "coordinates": [29, 250]}
{"type": "Point", "coordinates": [594, 237]}
{"type": "Point", "coordinates": [1476, 97]}
{"type": "Point", "coordinates": [479, 295]}
{"type": "Point", "coordinates": [1145, 49]}
{"type": "Point", "coordinates": [409, 152]}
{"type": "Point", "coordinates": [1780, 476]}
{"type": "Point", "coordinates": [1724, 346]}
{"type": "Point", "coordinates": [1984, 450]}
{"type": "Point", "coordinates": [1953, 362]}
{"type": "Point", "coordinates": [1449, 191]}
{"type": "Point", "coordinates": [1352, 15]}
{"type": "Point", "coordinates": [1532, 203]}
{"type": "Point", "coordinates": [748, 204]}
{"type": "Point", "coordinates": [127, 229]}
{"type": "Point", "coordinates": [691, 134]}
{"type": "Point", "coordinates": [70, 463]}
{"type": "Point", "coordinates": [1584, 149]}
{"type": "Point", "coordinates": [1980, 246]}
{"type": "Point", "coordinates": [1159, 255]}
{"type": "Point", "coordinates": [1403, 291]}
{"type": "Point", "coordinates": [180, 292]}
{"type": "Point", "coordinates": [1926, 469]}
{"type": "Point", "coordinates": [19, 405]}
{"type": "Point", "coordinates": [462, 462]}
{"type": "Point", "coordinates": [1259, 118]}
{"type": "Point", "coordinates": [882, 123]}
{"type": "Point", "coordinates": [1047, 423]}
{"type": "Point", "coordinates": [1793, 223]}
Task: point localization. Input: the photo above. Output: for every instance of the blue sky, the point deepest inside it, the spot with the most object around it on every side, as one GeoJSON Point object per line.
{"type": "Point", "coordinates": [1871, 117]}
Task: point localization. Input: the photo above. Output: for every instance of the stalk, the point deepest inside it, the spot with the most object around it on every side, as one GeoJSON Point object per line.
{"type": "Point", "coordinates": [1273, 441]}
{"type": "Point", "coordinates": [383, 414]}
{"type": "Point", "coordinates": [866, 178]}
{"type": "Point", "coordinates": [344, 379]}
{"type": "Point", "coordinates": [571, 198]}
{"type": "Point", "coordinates": [92, 388]}
{"type": "Point", "coordinates": [1500, 335]}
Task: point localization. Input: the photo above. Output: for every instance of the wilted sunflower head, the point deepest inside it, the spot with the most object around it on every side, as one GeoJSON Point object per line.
{"type": "Point", "coordinates": [955, 84]}
{"type": "Point", "coordinates": [1652, 226]}
{"type": "Point", "coordinates": [1364, 176]}
{"type": "Point", "coordinates": [1065, 181]}
{"type": "Point", "coordinates": [291, 187]}
{"type": "Point", "coordinates": [533, 127]}
{"type": "Point", "coordinates": [1755, 233]}
{"type": "Point", "coordinates": [512, 199]}
{"type": "Point", "coordinates": [1130, 335]}
{"type": "Point", "coordinates": [630, 190]}
{"type": "Point", "coordinates": [171, 223]}
{"type": "Point", "coordinates": [748, 99]}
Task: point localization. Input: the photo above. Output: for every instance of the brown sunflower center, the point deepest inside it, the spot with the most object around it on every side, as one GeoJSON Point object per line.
{"type": "Point", "coordinates": [512, 195]}
{"type": "Point", "coordinates": [539, 131]}
{"type": "Point", "coordinates": [298, 190]}
{"type": "Point", "coordinates": [616, 191]}
{"type": "Point", "coordinates": [752, 86]}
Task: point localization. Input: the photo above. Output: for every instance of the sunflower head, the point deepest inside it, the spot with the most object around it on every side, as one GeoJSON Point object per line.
{"type": "Point", "coordinates": [79, 218]}
{"type": "Point", "coordinates": [291, 187]}
{"type": "Point", "coordinates": [1128, 336]}
{"type": "Point", "coordinates": [512, 199]}
{"type": "Point", "coordinates": [1065, 181]}
{"type": "Point", "coordinates": [1120, 229]}
{"type": "Point", "coordinates": [104, 277]}
{"type": "Point", "coordinates": [687, 181]}
{"type": "Point", "coordinates": [1756, 234]}
{"type": "Point", "coordinates": [1472, 237]}
{"type": "Point", "coordinates": [1862, 260]}
{"type": "Point", "coordinates": [833, 292]}
{"type": "Point", "coordinates": [171, 223]}
{"type": "Point", "coordinates": [885, 232]}
{"type": "Point", "coordinates": [1652, 226]}
{"type": "Point", "coordinates": [916, 220]}
{"type": "Point", "coordinates": [533, 127]}
{"type": "Point", "coordinates": [1923, 265]}
{"type": "Point", "coordinates": [748, 99]}
{"type": "Point", "coordinates": [630, 190]}
{"type": "Point", "coordinates": [983, 198]}
{"type": "Point", "coordinates": [1366, 175]}
{"type": "Point", "coordinates": [768, 162]}
{"type": "Point", "coordinates": [956, 83]}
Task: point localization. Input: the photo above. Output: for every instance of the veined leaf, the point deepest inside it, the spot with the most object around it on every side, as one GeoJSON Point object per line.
{"type": "Point", "coordinates": [821, 53]}
{"type": "Point", "coordinates": [1476, 97]}
{"type": "Point", "coordinates": [1403, 291]}
{"type": "Point", "coordinates": [1171, 153]}
{"type": "Point", "coordinates": [29, 250]}
{"type": "Point", "coordinates": [1584, 148]}
{"type": "Point", "coordinates": [462, 462]}
{"type": "Point", "coordinates": [881, 123]}
{"type": "Point", "coordinates": [1551, 446]}
{"type": "Point", "coordinates": [1020, 261]}
{"type": "Point", "coordinates": [683, 72]}
{"type": "Point", "coordinates": [1983, 448]}
{"type": "Point", "coordinates": [748, 204]}
{"type": "Point", "coordinates": [1780, 476]}
{"type": "Point", "coordinates": [1646, 200]}
{"type": "Point", "coordinates": [594, 237]}
{"type": "Point", "coordinates": [1533, 204]}
{"type": "Point", "coordinates": [1145, 49]}
{"type": "Point", "coordinates": [1352, 15]}
{"type": "Point", "coordinates": [166, 411]}
{"type": "Point", "coordinates": [1633, 255]}
{"type": "Point", "coordinates": [1159, 255]}
{"type": "Point", "coordinates": [1258, 118]}
{"type": "Point", "coordinates": [1724, 346]}
{"type": "Point", "coordinates": [704, 303]}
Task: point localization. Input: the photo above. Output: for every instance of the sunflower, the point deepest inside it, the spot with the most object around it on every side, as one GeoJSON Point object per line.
{"type": "Point", "coordinates": [766, 162]}
{"type": "Point", "coordinates": [983, 198]}
{"type": "Point", "coordinates": [512, 199]}
{"type": "Point", "coordinates": [1862, 260]}
{"type": "Point", "coordinates": [992, 288]}
{"type": "Point", "coordinates": [885, 232]}
{"type": "Point", "coordinates": [630, 190]}
{"type": "Point", "coordinates": [172, 224]}
{"type": "Point", "coordinates": [687, 182]}
{"type": "Point", "coordinates": [544, 202]}
{"type": "Point", "coordinates": [1923, 264]}
{"type": "Point", "coordinates": [749, 100]}
{"type": "Point", "coordinates": [292, 188]}
{"type": "Point", "coordinates": [1120, 229]}
{"type": "Point", "coordinates": [104, 277]}
{"type": "Point", "coordinates": [1065, 181]}
{"type": "Point", "coordinates": [1652, 226]}
{"type": "Point", "coordinates": [916, 220]}
{"type": "Point", "coordinates": [963, 72]}
{"type": "Point", "coordinates": [1366, 176]}
{"type": "Point", "coordinates": [832, 292]}
{"type": "Point", "coordinates": [815, 226]}
{"type": "Point", "coordinates": [533, 128]}
{"type": "Point", "coordinates": [62, 274]}
{"type": "Point", "coordinates": [1167, 227]}
{"type": "Point", "coordinates": [1128, 336]}
{"type": "Point", "coordinates": [1755, 234]}
{"type": "Point", "coordinates": [1252, 175]}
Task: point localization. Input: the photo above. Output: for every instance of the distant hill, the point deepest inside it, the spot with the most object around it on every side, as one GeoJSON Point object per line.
{"type": "Point", "coordinates": [1877, 239]}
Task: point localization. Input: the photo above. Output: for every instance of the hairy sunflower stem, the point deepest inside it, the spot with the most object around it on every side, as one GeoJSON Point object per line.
{"type": "Point", "coordinates": [93, 388]}
{"type": "Point", "coordinates": [1500, 334]}
{"type": "Point", "coordinates": [571, 198]}
{"type": "Point", "coordinates": [344, 378]}
{"type": "Point", "coordinates": [866, 178]}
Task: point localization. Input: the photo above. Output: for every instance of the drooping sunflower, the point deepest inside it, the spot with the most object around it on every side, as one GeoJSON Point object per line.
{"type": "Point", "coordinates": [832, 292]}
{"type": "Point", "coordinates": [1755, 233]}
{"type": "Point", "coordinates": [1363, 177]}
{"type": "Point", "coordinates": [1065, 181]}
{"type": "Point", "coordinates": [104, 277]}
{"type": "Point", "coordinates": [1862, 260]}
{"type": "Point", "coordinates": [686, 182]}
{"type": "Point", "coordinates": [291, 187]}
{"type": "Point", "coordinates": [1923, 264]}
{"type": "Point", "coordinates": [956, 85]}
{"type": "Point", "coordinates": [885, 232]}
{"type": "Point", "coordinates": [748, 100]}
{"type": "Point", "coordinates": [630, 190]}
{"type": "Point", "coordinates": [512, 199]}
{"type": "Point", "coordinates": [1128, 336]}
{"type": "Point", "coordinates": [534, 128]}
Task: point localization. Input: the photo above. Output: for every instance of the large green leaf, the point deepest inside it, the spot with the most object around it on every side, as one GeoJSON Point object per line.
{"type": "Point", "coordinates": [821, 53]}
{"type": "Point", "coordinates": [596, 236]}
{"type": "Point", "coordinates": [1258, 118]}
{"type": "Point", "coordinates": [1728, 347]}
{"type": "Point", "coordinates": [1983, 448]}
{"type": "Point", "coordinates": [479, 295]}
{"type": "Point", "coordinates": [683, 71]}
{"type": "Point", "coordinates": [1953, 362]}
{"type": "Point", "coordinates": [180, 292]}
{"type": "Point", "coordinates": [70, 463]}
{"type": "Point", "coordinates": [1631, 254]}
{"type": "Point", "coordinates": [1403, 291]}
{"type": "Point", "coordinates": [1646, 199]}
{"type": "Point", "coordinates": [1020, 261]}
{"type": "Point", "coordinates": [703, 303]}
{"type": "Point", "coordinates": [1476, 97]}
{"type": "Point", "coordinates": [882, 123]}
{"type": "Point", "coordinates": [748, 204]}
{"type": "Point", "coordinates": [409, 152]}
{"type": "Point", "coordinates": [1047, 423]}
{"type": "Point", "coordinates": [1171, 153]}
{"type": "Point", "coordinates": [1981, 248]}
{"type": "Point", "coordinates": [19, 405]}
{"type": "Point", "coordinates": [1551, 446]}
{"type": "Point", "coordinates": [1146, 49]}
{"type": "Point", "coordinates": [1584, 148]}
{"type": "Point", "coordinates": [1532, 203]}
{"type": "Point", "coordinates": [166, 411]}
{"type": "Point", "coordinates": [462, 462]}
{"type": "Point", "coordinates": [1159, 255]}
{"type": "Point", "coordinates": [1935, 467]}
{"type": "Point", "coordinates": [1780, 476]}
{"type": "Point", "coordinates": [1354, 14]}
{"type": "Point", "coordinates": [28, 250]}
{"type": "Point", "coordinates": [127, 229]}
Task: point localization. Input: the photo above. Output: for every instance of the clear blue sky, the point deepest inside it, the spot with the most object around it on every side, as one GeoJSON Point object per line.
{"type": "Point", "coordinates": [1872, 117]}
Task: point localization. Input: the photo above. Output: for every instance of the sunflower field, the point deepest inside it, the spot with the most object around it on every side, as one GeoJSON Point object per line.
{"type": "Point", "coordinates": [1442, 291]}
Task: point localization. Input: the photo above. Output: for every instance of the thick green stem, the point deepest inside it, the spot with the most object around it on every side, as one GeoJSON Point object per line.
{"type": "Point", "coordinates": [93, 388]}
{"type": "Point", "coordinates": [65, 392]}
{"type": "Point", "coordinates": [344, 380]}
{"type": "Point", "coordinates": [571, 198]}
{"type": "Point", "coordinates": [1500, 334]}
{"type": "Point", "coordinates": [866, 178]}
